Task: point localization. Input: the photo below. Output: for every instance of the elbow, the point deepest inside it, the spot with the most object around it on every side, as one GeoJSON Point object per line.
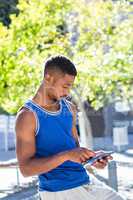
{"type": "Point", "coordinates": [25, 171]}
{"type": "Point", "coordinates": [25, 174]}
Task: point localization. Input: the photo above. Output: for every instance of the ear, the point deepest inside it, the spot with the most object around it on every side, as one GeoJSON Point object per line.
{"type": "Point", "coordinates": [49, 78]}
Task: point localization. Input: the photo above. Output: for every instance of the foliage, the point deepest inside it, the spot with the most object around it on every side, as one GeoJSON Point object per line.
{"type": "Point", "coordinates": [102, 48]}
{"type": "Point", "coordinates": [104, 51]}
{"type": "Point", "coordinates": [38, 32]}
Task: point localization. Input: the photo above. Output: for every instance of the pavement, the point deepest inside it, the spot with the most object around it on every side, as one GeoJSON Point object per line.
{"type": "Point", "coordinates": [124, 157]}
{"type": "Point", "coordinates": [124, 173]}
{"type": "Point", "coordinates": [10, 180]}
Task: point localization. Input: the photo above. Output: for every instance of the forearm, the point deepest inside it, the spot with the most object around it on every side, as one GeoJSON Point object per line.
{"type": "Point", "coordinates": [75, 136]}
{"type": "Point", "coordinates": [35, 166]}
{"type": "Point", "coordinates": [77, 142]}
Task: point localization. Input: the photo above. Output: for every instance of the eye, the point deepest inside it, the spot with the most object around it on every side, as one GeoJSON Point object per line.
{"type": "Point", "coordinates": [65, 87]}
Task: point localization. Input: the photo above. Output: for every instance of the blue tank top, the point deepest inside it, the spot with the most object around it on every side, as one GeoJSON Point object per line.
{"type": "Point", "coordinates": [54, 135]}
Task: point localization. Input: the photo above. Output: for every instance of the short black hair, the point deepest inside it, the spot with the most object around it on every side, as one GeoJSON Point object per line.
{"type": "Point", "coordinates": [60, 63]}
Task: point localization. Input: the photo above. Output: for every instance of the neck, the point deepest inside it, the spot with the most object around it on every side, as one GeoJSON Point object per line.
{"type": "Point", "coordinates": [42, 98]}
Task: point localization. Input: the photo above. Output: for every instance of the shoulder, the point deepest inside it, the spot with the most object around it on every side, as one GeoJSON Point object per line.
{"type": "Point", "coordinates": [25, 119]}
{"type": "Point", "coordinates": [24, 114]}
{"type": "Point", "coordinates": [72, 107]}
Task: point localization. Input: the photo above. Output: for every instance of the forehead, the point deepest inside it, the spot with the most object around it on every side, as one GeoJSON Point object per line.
{"type": "Point", "coordinates": [66, 80]}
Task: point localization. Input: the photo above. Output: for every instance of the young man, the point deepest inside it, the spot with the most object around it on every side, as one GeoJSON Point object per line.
{"type": "Point", "coordinates": [47, 140]}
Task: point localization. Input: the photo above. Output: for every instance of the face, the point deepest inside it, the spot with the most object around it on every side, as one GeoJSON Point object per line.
{"type": "Point", "coordinates": [60, 86]}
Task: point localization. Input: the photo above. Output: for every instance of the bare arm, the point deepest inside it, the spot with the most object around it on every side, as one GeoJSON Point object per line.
{"type": "Point", "coordinates": [25, 147]}
{"type": "Point", "coordinates": [99, 164]}
{"type": "Point", "coordinates": [29, 164]}
{"type": "Point", "coordinates": [74, 129]}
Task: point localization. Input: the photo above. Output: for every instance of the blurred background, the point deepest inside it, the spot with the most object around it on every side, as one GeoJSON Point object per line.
{"type": "Point", "coordinates": [98, 36]}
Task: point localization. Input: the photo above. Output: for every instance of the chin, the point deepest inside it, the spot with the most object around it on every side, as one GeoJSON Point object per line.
{"type": "Point", "coordinates": [58, 98]}
{"type": "Point", "coordinates": [55, 99]}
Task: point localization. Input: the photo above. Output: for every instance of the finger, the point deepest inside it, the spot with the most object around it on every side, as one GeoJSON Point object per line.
{"type": "Point", "coordinates": [83, 155]}
{"type": "Point", "coordinates": [99, 152]}
{"type": "Point", "coordinates": [82, 158]}
{"type": "Point", "coordinates": [86, 156]}
{"type": "Point", "coordinates": [88, 152]}
{"type": "Point", "coordinates": [99, 165]}
{"type": "Point", "coordinates": [104, 161]}
{"type": "Point", "coordinates": [108, 158]}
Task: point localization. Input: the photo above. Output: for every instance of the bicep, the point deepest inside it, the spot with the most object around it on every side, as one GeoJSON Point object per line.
{"type": "Point", "coordinates": [25, 136]}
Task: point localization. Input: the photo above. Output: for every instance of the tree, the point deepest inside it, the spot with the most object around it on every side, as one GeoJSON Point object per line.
{"type": "Point", "coordinates": [38, 31]}
{"type": "Point", "coordinates": [104, 51]}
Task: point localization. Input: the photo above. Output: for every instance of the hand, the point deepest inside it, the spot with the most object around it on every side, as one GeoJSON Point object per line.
{"type": "Point", "coordinates": [80, 154]}
{"type": "Point", "coordinates": [102, 163]}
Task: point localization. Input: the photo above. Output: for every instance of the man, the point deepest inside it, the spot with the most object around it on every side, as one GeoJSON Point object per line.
{"type": "Point", "coordinates": [47, 140]}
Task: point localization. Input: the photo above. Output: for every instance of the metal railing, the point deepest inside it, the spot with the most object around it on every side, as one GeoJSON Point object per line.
{"type": "Point", "coordinates": [7, 137]}
{"type": "Point", "coordinates": [15, 183]}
